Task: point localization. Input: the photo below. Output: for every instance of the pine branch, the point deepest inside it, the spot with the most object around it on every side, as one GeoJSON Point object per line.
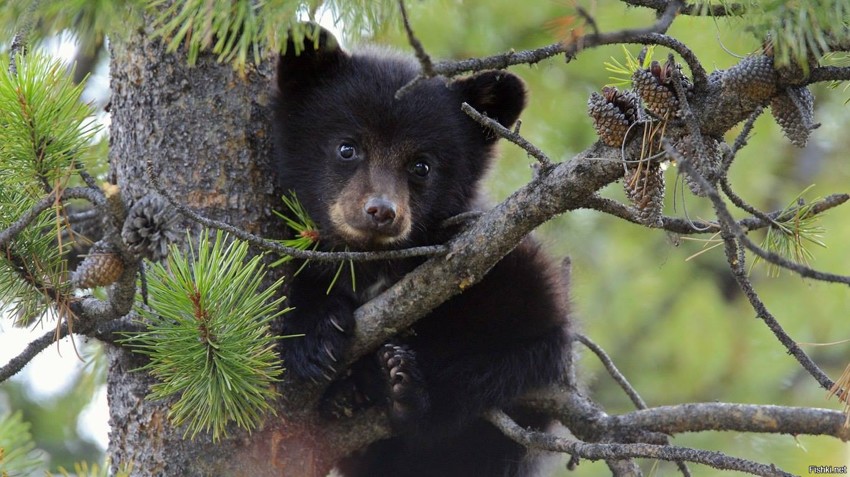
{"type": "Point", "coordinates": [641, 36]}
{"type": "Point", "coordinates": [208, 336]}
{"type": "Point", "coordinates": [33, 348]}
{"type": "Point", "coordinates": [828, 73]}
{"type": "Point", "coordinates": [613, 371]}
{"type": "Point", "coordinates": [273, 246]}
{"type": "Point", "coordinates": [507, 134]}
{"type": "Point", "coordinates": [544, 441]}
{"type": "Point", "coordinates": [16, 446]}
{"type": "Point", "coordinates": [94, 196]}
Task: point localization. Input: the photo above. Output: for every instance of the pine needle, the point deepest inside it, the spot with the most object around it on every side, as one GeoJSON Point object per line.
{"type": "Point", "coordinates": [792, 237]}
{"type": "Point", "coordinates": [839, 390]}
{"type": "Point", "coordinates": [306, 237]}
{"type": "Point", "coordinates": [208, 336]}
{"type": "Point", "coordinates": [623, 72]}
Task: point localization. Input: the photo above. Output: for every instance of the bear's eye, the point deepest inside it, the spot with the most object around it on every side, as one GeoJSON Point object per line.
{"type": "Point", "coordinates": [346, 151]}
{"type": "Point", "coordinates": [420, 169]}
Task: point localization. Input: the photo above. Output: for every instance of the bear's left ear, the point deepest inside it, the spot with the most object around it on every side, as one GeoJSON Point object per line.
{"type": "Point", "coordinates": [320, 57]}
{"type": "Point", "coordinates": [498, 94]}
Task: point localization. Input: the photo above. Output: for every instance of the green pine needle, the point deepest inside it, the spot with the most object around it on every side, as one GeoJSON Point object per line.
{"type": "Point", "coordinates": [208, 336]}
{"type": "Point", "coordinates": [799, 30]}
{"type": "Point", "coordinates": [83, 469]}
{"type": "Point", "coordinates": [16, 446]}
{"type": "Point", "coordinates": [306, 238]}
{"type": "Point", "coordinates": [45, 125]}
{"type": "Point", "coordinates": [623, 72]}
{"type": "Point", "coordinates": [237, 31]}
{"type": "Point", "coordinates": [44, 131]}
{"type": "Point", "coordinates": [32, 253]}
{"type": "Point", "coordinates": [792, 238]}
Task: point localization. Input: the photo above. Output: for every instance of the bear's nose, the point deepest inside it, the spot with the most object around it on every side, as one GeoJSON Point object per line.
{"type": "Point", "coordinates": [382, 211]}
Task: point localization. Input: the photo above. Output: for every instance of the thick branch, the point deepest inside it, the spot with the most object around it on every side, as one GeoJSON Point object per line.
{"type": "Point", "coordinates": [712, 416]}
{"type": "Point", "coordinates": [828, 73]}
{"type": "Point", "coordinates": [478, 248]}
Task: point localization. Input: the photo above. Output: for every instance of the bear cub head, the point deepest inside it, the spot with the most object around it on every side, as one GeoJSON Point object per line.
{"type": "Point", "coordinates": [374, 171]}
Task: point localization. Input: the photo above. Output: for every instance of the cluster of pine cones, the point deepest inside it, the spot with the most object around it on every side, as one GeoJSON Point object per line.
{"type": "Point", "coordinates": [616, 116]}
{"type": "Point", "coordinates": [151, 225]}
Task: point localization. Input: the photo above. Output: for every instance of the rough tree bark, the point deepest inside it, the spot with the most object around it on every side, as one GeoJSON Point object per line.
{"type": "Point", "coordinates": [206, 131]}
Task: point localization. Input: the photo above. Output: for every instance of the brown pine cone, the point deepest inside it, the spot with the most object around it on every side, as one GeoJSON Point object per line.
{"type": "Point", "coordinates": [613, 112]}
{"type": "Point", "coordinates": [753, 77]}
{"type": "Point", "coordinates": [102, 266]}
{"type": "Point", "coordinates": [655, 87]}
{"type": "Point", "coordinates": [793, 110]}
{"type": "Point", "coordinates": [151, 225]}
{"type": "Point", "coordinates": [707, 165]}
{"type": "Point", "coordinates": [644, 186]}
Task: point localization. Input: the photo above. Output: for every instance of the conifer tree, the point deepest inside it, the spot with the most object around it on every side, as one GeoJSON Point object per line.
{"type": "Point", "coordinates": [179, 276]}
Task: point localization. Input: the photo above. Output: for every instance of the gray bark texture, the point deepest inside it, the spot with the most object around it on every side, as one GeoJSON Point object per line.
{"type": "Point", "coordinates": [205, 128]}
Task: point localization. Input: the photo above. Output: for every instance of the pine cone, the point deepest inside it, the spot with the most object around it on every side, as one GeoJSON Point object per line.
{"type": "Point", "coordinates": [644, 186]}
{"type": "Point", "coordinates": [613, 112]}
{"type": "Point", "coordinates": [753, 77]}
{"type": "Point", "coordinates": [655, 88]}
{"type": "Point", "coordinates": [101, 267]}
{"type": "Point", "coordinates": [150, 226]}
{"type": "Point", "coordinates": [797, 122]}
{"type": "Point", "coordinates": [708, 165]}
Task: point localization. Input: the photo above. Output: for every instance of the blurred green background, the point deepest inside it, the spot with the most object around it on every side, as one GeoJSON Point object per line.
{"type": "Point", "coordinates": [670, 316]}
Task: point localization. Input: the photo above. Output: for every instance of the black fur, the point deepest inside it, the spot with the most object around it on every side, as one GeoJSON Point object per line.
{"type": "Point", "coordinates": [481, 349]}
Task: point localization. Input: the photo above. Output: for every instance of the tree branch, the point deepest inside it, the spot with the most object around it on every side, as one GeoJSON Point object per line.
{"type": "Point", "coordinates": [93, 196]}
{"type": "Point", "coordinates": [478, 248]}
{"type": "Point", "coordinates": [544, 441]}
{"type": "Point", "coordinates": [271, 245]}
{"type": "Point", "coordinates": [828, 73]}
{"type": "Point", "coordinates": [506, 133]}
{"type": "Point", "coordinates": [713, 416]}
{"type": "Point", "coordinates": [730, 232]}
{"type": "Point", "coordinates": [613, 371]}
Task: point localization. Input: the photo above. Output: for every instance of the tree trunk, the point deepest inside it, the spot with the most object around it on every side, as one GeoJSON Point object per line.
{"type": "Point", "coordinates": [206, 130]}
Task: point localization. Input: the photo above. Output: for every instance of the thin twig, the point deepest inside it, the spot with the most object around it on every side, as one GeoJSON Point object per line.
{"type": "Point", "coordinates": [594, 451]}
{"type": "Point", "coordinates": [741, 140]}
{"type": "Point", "coordinates": [731, 232]}
{"type": "Point", "coordinates": [425, 251]}
{"type": "Point", "coordinates": [421, 55]}
{"type": "Point", "coordinates": [737, 264]}
{"type": "Point", "coordinates": [506, 133]}
{"type": "Point", "coordinates": [33, 348]}
{"type": "Point", "coordinates": [85, 176]}
{"type": "Point", "coordinates": [815, 208]}
{"type": "Point", "coordinates": [460, 219]}
{"type": "Point", "coordinates": [729, 223]}
{"type": "Point", "coordinates": [612, 370]}
{"type": "Point", "coordinates": [93, 196]}
{"type": "Point", "coordinates": [510, 58]}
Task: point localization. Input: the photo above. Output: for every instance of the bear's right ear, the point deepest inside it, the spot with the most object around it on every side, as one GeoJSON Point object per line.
{"type": "Point", "coordinates": [303, 65]}
{"type": "Point", "coordinates": [498, 94]}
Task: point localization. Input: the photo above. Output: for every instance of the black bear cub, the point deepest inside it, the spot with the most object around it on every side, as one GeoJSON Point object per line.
{"type": "Point", "coordinates": [375, 173]}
